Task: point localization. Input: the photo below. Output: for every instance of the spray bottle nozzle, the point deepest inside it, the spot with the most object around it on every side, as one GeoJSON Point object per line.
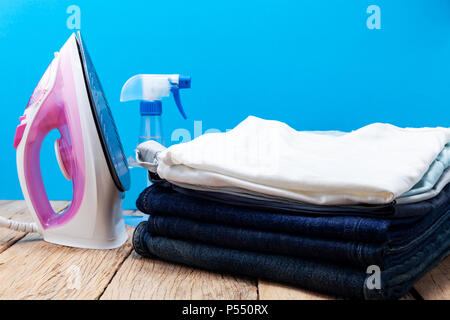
{"type": "Point", "coordinates": [184, 82]}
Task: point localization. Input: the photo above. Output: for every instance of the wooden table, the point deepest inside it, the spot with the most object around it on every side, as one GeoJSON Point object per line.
{"type": "Point", "coordinates": [33, 269]}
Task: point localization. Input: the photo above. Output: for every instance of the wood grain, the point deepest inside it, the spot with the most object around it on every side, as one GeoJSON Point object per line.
{"type": "Point", "coordinates": [276, 291]}
{"type": "Point", "coordinates": [435, 285]}
{"type": "Point", "coordinates": [17, 210]}
{"type": "Point", "coordinates": [8, 208]}
{"type": "Point", "coordinates": [35, 269]}
{"type": "Point", "coordinates": [143, 278]}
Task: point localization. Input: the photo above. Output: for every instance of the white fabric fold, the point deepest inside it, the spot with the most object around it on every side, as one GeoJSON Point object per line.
{"type": "Point", "coordinates": [373, 165]}
{"type": "Point", "coordinates": [442, 183]}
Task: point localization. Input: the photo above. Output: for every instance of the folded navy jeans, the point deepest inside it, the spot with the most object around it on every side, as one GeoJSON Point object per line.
{"type": "Point", "coordinates": [341, 252]}
{"type": "Point", "coordinates": [327, 278]}
{"type": "Point", "coordinates": [391, 210]}
{"type": "Point", "coordinates": [159, 199]}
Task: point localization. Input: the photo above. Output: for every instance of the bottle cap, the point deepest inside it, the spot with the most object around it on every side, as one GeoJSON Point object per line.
{"type": "Point", "coordinates": [151, 108]}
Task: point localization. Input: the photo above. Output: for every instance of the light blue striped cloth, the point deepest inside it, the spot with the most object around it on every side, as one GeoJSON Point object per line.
{"type": "Point", "coordinates": [432, 176]}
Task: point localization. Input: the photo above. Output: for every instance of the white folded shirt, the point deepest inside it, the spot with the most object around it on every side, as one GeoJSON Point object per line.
{"type": "Point", "coordinates": [373, 165]}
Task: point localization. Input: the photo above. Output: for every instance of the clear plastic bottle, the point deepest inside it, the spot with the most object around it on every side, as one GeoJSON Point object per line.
{"type": "Point", "coordinates": [149, 89]}
{"type": "Point", "coordinates": [151, 124]}
{"type": "Point", "coordinates": [151, 129]}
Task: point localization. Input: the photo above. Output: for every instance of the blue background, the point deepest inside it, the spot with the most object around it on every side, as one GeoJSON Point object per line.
{"type": "Point", "coordinates": [313, 64]}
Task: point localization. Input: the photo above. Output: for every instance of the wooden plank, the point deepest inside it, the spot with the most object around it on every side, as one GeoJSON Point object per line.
{"type": "Point", "coordinates": [143, 278]}
{"type": "Point", "coordinates": [3, 202]}
{"type": "Point", "coordinates": [133, 213]}
{"type": "Point", "coordinates": [435, 285]}
{"type": "Point", "coordinates": [35, 269]}
{"type": "Point", "coordinates": [17, 210]}
{"type": "Point", "coordinates": [8, 207]}
{"type": "Point", "coordinates": [277, 291]}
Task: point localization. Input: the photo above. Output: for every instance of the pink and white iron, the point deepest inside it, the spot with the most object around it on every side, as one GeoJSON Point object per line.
{"type": "Point", "coordinates": [69, 98]}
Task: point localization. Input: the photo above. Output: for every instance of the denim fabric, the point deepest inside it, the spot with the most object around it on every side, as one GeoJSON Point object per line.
{"type": "Point", "coordinates": [381, 211]}
{"type": "Point", "coordinates": [309, 274]}
{"type": "Point", "coordinates": [161, 200]}
{"type": "Point", "coordinates": [337, 251]}
{"type": "Point", "coordinates": [243, 197]}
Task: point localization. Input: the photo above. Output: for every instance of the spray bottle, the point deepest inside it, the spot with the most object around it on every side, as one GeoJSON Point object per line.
{"type": "Point", "coordinates": [149, 89]}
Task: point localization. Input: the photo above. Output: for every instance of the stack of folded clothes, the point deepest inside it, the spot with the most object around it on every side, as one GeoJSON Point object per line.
{"type": "Point", "coordinates": [322, 210]}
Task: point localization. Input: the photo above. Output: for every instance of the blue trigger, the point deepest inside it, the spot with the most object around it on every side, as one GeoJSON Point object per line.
{"type": "Point", "coordinates": [176, 95]}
